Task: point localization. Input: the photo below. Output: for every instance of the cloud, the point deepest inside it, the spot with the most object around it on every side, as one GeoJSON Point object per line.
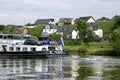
{"type": "Point", "coordinates": [110, 0]}
{"type": "Point", "coordinates": [23, 11]}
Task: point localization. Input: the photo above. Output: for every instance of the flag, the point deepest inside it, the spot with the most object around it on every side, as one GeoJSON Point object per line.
{"type": "Point", "coordinates": [61, 41]}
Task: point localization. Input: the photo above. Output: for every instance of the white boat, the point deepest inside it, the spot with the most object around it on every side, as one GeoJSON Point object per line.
{"type": "Point", "coordinates": [22, 46]}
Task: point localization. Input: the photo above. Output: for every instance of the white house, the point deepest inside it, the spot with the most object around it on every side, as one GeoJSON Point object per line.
{"type": "Point", "coordinates": [74, 34]}
{"type": "Point", "coordinates": [97, 30]}
{"type": "Point", "coordinates": [44, 22]}
{"type": "Point", "coordinates": [88, 19]}
{"type": "Point", "coordinates": [70, 32]}
{"type": "Point", "coordinates": [94, 27]}
{"type": "Point", "coordinates": [49, 29]}
{"type": "Point", "coordinates": [99, 33]}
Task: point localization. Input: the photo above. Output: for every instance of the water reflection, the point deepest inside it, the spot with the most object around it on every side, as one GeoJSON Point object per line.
{"type": "Point", "coordinates": [99, 68]}
{"type": "Point", "coordinates": [68, 68]}
{"type": "Point", "coordinates": [35, 69]}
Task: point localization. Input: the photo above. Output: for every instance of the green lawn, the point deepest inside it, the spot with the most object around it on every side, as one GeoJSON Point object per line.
{"type": "Point", "coordinates": [93, 48]}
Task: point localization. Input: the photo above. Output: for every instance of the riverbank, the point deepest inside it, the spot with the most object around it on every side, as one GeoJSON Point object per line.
{"type": "Point", "coordinates": [92, 49]}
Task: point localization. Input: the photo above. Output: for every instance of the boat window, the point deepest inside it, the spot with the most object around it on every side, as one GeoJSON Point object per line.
{"type": "Point", "coordinates": [1, 36]}
{"type": "Point", "coordinates": [25, 49]}
{"type": "Point", "coordinates": [17, 37]}
{"type": "Point", "coordinates": [10, 37]}
{"type": "Point", "coordinates": [26, 37]}
{"type": "Point", "coordinates": [32, 49]}
{"type": "Point", "coordinates": [11, 48]}
{"type": "Point", "coordinates": [17, 48]}
{"type": "Point", "coordinates": [43, 49]}
{"type": "Point", "coordinates": [5, 37]}
{"type": "Point", "coordinates": [31, 42]}
{"type": "Point", "coordinates": [28, 43]}
{"type": "Point", "coordinates": [51, 48]}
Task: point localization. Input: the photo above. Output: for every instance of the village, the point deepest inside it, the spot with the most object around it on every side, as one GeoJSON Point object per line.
{"type": "Point", "coordinates": [60, 27]}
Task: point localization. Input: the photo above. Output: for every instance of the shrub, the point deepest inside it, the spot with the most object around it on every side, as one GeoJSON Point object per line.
{"type": "Point", "coordinates": [82, 50]}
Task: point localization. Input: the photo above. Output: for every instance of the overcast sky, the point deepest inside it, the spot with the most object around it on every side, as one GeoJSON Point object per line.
{"type": "Point", "coordinates": [20, 12]}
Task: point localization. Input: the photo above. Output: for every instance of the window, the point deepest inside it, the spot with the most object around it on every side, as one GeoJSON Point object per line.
{"type": "Point", "coordinates": [32, 49]}
{"type": "Point", "coordinates": [17, 37]}
{"type": "Point", "coordinates": [17, 48]}
{"type": "Point", "coordinates": [26, 37]}
{"type": "Point", "coordinates": [10, 37]}
{"type": "Point", "coordinates": [1, 36]}
{"type": "Point", "coordinates": [25, 49]}
{"type": "Point", "coordinates": [11, 48]}
{"type": "Point", "coordinates": [5, 37]}
{"type": "Point", "coordinates": [31, 42]}
{"type": "Point", "coordinates": [51, 48]}
{"type": "Point", "coordinates": [28, 42]}
{"type": "Point", "coordinates": [43, 49]}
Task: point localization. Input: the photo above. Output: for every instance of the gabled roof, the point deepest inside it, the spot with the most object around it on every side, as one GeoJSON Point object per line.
{"type": "Point", "coordinates": [65, 20]}
{"type": "Point", "coordinates": [76, 20]}
{"type": "Point", "coordinates": [86, 18]}
{"type": "Point", "coordinates": [43, 21]}
{"type": "Point", "coordinates": [94, 26]}
{"type": "Point", "coordinates": [103, 19]}
{"type": "Point", "coordinates": [66, 30]}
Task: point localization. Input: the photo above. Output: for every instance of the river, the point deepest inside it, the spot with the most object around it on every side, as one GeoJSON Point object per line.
{"type": "Point", "coordinates": [66, 68]}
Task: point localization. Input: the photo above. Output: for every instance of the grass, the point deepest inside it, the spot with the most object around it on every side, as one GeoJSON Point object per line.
{"type": "Point", "coordinates": [93, 48]}
{"type": "Point", "coordinates": [100, 48]}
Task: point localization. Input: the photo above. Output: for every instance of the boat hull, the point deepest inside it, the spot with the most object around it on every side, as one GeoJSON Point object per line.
{"type": "Point", "coordinates": [39, 54]}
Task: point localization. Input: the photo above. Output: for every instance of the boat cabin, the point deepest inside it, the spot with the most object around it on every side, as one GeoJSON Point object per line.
{"type": "Point", "coordinates": [13, 38]}
{"type": "Point", "coordinates": [29, 45]}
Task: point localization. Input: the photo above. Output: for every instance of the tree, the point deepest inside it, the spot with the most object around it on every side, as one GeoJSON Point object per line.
{"type": "Point", "coordinates": [29, 24]}
{"type": "Point", "coordinates": [115, 35]}
{"type": "Point", "coordinates": [85, 34]}
{"type": "Point", "coordinates": [116, 23]}
{"type": "Point", "coordinates": [9, 30]}
{"type": "Point", "coordinates": [115, 40]}
{"type": "Point", "coordinates": [2, 27]}
{"type": "Point", "coordinates": [55, 36]}
{"type": "Point", "coordinates": [36, 32]}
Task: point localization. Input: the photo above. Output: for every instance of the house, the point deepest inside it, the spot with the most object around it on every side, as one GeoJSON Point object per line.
{"type": "Point", "coordinates": [65, 21]}
{"type": "Point", "coordinates": [30, 26]}
{"type": "Point", "coordinates": [10, 26]}
{"type": "Point", "coordinates": [97, 30]}
{"type": "Point", "coordinates": [70, 32]}
{"type": "Point", "coordinates": [88, 19]}
{"type": "Point", "coordinates": [103, 19]}
{"type": "Point", "coordinates": [21, 30]}
{"type": "Point", "coordinates": [94, 27]}
{"type": "Point", "coordinates": [49, 29]}
{"type": "Point", "coordinates": [44, 21]}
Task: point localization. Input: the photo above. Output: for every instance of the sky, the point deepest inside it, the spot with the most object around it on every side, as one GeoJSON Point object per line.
{"type": "Point", "coordinates": [21, 12]}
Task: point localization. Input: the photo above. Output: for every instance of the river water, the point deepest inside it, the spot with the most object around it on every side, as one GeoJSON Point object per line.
{"type": "Point", "coordinates": [66, 68]}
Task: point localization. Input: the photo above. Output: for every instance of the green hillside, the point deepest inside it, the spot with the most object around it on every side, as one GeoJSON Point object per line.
{"type": "Point", "coordinates": [106, 26]}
